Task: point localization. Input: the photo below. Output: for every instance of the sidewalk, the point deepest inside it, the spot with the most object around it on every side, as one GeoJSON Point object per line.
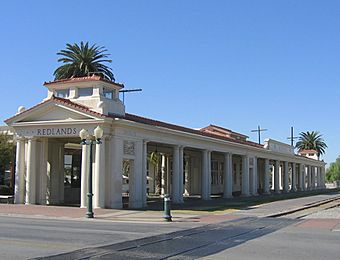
{"type": "Point", "coordinates": [233, 209]}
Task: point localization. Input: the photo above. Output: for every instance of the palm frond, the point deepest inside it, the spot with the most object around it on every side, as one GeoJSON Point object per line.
{"type": "Point", "coordinates": [83, 60]}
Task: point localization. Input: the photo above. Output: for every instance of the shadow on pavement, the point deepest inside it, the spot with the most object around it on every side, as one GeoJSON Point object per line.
{"type": "Point", "coordinates": [188, 244]}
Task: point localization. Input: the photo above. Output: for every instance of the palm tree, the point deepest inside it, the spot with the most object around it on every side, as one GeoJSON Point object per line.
{"type": "Point", "coordinates": [311, 141]}
{"type": "Point", "coordinates": [82, 61]}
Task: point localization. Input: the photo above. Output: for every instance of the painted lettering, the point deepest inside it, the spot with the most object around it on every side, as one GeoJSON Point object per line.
{"type": "Point", "coordinates": [56, 131]}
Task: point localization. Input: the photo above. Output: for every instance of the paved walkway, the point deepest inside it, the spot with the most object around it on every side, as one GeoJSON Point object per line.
{"type": "Point", "coordinates": [38, 211]}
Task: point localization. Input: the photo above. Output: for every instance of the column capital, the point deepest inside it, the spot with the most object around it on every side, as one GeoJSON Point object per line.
{"type": "Point", "coordinates": [176, 146]}
{"type": "Point", "coordinates": [20, 138]}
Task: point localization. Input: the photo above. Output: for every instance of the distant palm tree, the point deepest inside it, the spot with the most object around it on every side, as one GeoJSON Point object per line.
{"type": "Point", "coordinates": [82, 61]}
{"type": "Point", "coordinates": [311, 141]}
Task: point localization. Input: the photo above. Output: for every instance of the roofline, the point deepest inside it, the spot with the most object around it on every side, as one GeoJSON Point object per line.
{"type": "Point", "coordinates": [82, 79]}
{"type": "Point", "coordinates": [225, 129]}
{"type": "Point", "coordinates": [144, 120]}
{"type": "Point", "coordinates": [60, 101]}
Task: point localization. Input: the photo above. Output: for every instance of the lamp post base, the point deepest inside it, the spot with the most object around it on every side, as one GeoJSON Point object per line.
{"type": "Point", "coordinates": [89, 214]}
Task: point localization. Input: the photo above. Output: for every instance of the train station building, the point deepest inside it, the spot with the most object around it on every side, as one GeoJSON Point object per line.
{"type": "Point", "coordinates": [140, 157]}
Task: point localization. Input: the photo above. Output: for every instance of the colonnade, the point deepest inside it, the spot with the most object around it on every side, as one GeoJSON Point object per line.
{"type": "Point", "coordinates": [256, 173]}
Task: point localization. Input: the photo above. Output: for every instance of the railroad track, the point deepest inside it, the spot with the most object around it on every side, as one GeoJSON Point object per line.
{"type": "Point", "coordinates": [308, 209]}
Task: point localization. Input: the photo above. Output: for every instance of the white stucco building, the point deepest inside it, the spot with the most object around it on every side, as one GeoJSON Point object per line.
{"type": "Point", "coordinates": [52, 166]}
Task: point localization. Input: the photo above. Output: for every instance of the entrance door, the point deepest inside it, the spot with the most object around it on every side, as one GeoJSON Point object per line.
{"type": "Point", "coordinates": [72, 175]}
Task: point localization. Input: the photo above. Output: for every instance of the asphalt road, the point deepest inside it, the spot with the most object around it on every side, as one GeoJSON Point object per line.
{"type": "Point", "coordinates": [24, 238]}
{"type": "Point", "coordinates": [248, 235]}
{"type": "Point", "coordinates": [192, 243]}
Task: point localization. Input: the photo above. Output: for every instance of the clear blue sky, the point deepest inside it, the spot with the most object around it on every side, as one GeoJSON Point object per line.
{"type": "Point", "coordinates": [237, 64]}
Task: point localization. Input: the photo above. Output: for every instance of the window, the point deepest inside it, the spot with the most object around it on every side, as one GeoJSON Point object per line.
{"type": "Point", "coordinates": [216, 172]}
{"type": "Point", "coordinates": [85, 92]}
{"type": "Point", "coordinates": [72, 170]}
{"type": "Point", "coordinates": [62, 93]}
{"type": "Point", "coordinates": [108, 93]}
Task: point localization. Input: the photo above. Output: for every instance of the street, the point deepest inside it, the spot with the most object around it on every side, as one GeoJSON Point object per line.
{"type": "Point", "coordinates": [301, 228]}
{"type": "Point", "coordinates": [23, 238]}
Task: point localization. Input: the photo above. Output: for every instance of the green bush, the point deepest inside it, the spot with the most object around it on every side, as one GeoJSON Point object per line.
{"type": "Point", "coordinates": [333, 172]}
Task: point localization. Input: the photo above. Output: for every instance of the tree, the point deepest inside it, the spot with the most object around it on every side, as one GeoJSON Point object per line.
{"type": "Point", "coordinates": [333, 172]}
{"type": "Point", "coordinates": [6, 153]}
{"type": "Point", "coordinates": [82, 61]}
{"type": "Point", "coordinates": [311, 141]}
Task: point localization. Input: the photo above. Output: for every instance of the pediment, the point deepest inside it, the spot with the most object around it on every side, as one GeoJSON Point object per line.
{"type": "Point", "coordinates": [52, 112]}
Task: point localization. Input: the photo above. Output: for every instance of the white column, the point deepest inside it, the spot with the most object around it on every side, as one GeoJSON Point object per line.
{"type": "Point", "coordinates": [304, 177]}
{"type": "Point", "coordinates": [228, 176]}
{"type": "Point", "coordinates": [318, 178]}
{"type": "Point", "coordinates": [168, 175]}
{"type": "Point", "coordinates": [285, 177]}
{"type": "Point", "coordinates": [301, 178]}
{"type": "Point", "coordinates": [187, 177]}
{"type": "Point", "coordinates": [163, 174]}
{"type": "Point", "coordinates": [313, 177]}
{"type": "Point", "coordinates": [135, 182]}
{"type": "Point", "coordinates": [19, 190]}
{"type": "Point", "coordinates": [30, 172]}
{"type": "Point", "coordinates": [99, 176]}
{"type": "Point", "coordinates": [245, 175]}
{"type": "Point", "coordinates": [254, 178]}
{"type": "Point", "coordinates": [266, 177]}
{"type": "Point", "coordinates": [322, 173]}
{"type": "Point", "coordinates": [277, 177]}
{"type": "Point", "coordinates": [116, 173]}
{"type": "Point", "coordinates": [180, 177]}
{"type": "Point", "coordinates": [43, 171]}
{"type": "Point", "coordinates": [144, 173]}
{"type": "Point", "coordinates": [61, 176]}
{"type": "Point", "coordinates": [175, 175]}
{"type": "Point", "coordinates": [293, 177]}
{"type": "Point", "coordinates": [84, 175]}
{"type": "Point", "coordinates": [206, 175]}
{"type": "Point", "coordinates": [308, 176]}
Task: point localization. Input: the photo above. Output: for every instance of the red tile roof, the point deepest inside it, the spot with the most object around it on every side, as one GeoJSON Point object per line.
{"type": "Point", "coordinates": [61, 101]}
{"type": "Point", "coordinates": [148, 121]}
{"type": "Point", "coordinates": [308, 151]}
{"type": "Point", "coordinates": [138, 119]}
{"type": "Point", "coordinates": [82, 79]}
{"type": "Point", "coordinates": [218, 130]}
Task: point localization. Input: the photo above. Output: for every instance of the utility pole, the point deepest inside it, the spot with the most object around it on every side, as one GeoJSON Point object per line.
{"type": "Point", "coordinates": [292, 137]}
{"type": "Point", "coordinates": [259, 130]}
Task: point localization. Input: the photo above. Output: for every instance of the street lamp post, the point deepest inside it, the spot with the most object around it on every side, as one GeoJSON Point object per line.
{"type": "Point", "coordinates": [90, 140]}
